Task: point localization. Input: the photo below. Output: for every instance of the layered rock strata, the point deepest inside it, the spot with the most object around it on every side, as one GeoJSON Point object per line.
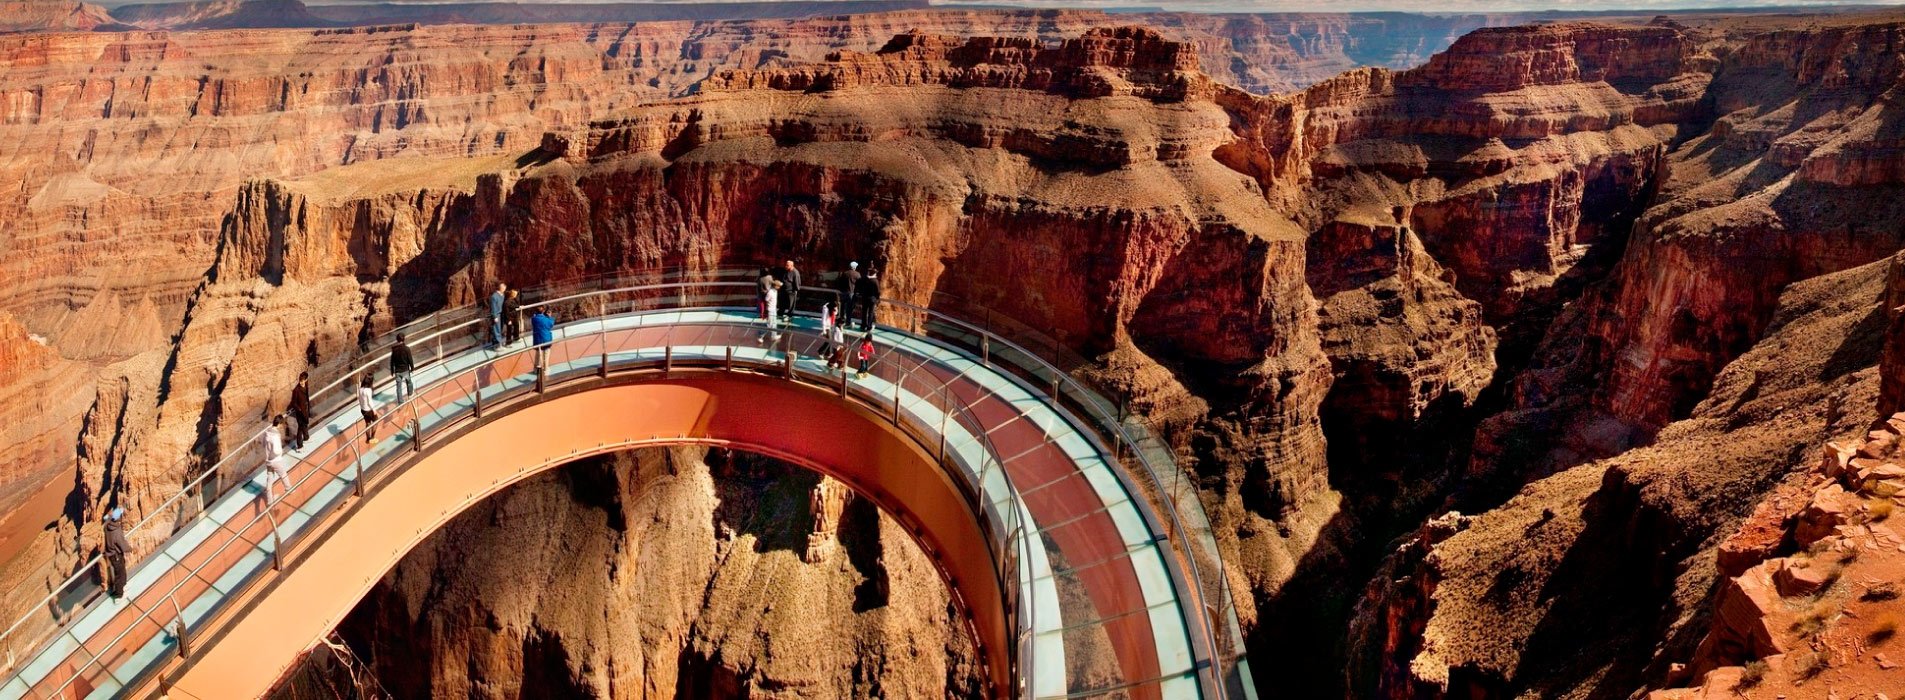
{"type": "Point", "coordinates": [1624, 235]}
{"type": "Point", "coordinates": [1819, 608]}
{"type": "Point", "coordinates": [664, 574]}
{"type": "Point", "coordinates": [1627, 550]}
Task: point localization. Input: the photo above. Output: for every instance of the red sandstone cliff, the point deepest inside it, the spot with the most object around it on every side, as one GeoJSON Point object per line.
{"type": "Point", "coordinates": [54, 15]}
{"type": "Point", "coordinates": [1621, 235]}
{"type": "Point", "coordinates": [664, 574]}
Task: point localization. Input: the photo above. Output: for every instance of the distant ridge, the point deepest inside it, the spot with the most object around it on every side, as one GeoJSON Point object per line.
{"type": "Point", "coordinates": [262, 14]}
{"type": "Point", "coordinates": [219, 14]}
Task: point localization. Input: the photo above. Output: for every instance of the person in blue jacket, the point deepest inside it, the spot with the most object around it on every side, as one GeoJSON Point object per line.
{"type": "Point", "coordinates": [542, 329]}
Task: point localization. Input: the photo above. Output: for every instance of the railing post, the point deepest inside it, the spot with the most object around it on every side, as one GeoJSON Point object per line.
{"type": "Point", "coordinates": [277, 545]}
{"type": "Point", "coordinates": [844, 374]}
{"type": "Point", "coordinates": [479, 396]}
{"type": "Point", "coordinates": [416, 428]}
{"type": "Point", "coordinates": [985, 347]}
{"type": "Point", "coordinates": [787, 364]}
{"type": "Point", "coordinates": [178, 616]}
{"type": "Point", "coordinates": [357, 470]}
{"type": "Point", "coordinates": [602, 370]}
{"type": "Point", "coordinates": [729, 363]}
{"type": "Point", "coordinates": [896, 402]}
{"type": "Point", "coordinates": [667, 360]}
{"type": "Point", "coordinates": [943, 412]}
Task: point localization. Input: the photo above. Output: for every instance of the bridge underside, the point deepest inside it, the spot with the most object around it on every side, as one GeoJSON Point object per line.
{"type": "Point", "coordinates": [324, 579]}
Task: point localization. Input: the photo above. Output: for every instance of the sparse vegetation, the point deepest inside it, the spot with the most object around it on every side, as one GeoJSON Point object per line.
{"type": "Point", "coordinates": [1880, 592]}
{"type": "Point", "coordinates": [1808, 665]}
{"type": "Point", "coordinates": [1755, 672]}
{"type": "Point", "coordinates": [1815, 619]}
{"type": "Point", "coordinates": [1883, 631]}
{"type": "Point", "coordinates": [1878, 510]}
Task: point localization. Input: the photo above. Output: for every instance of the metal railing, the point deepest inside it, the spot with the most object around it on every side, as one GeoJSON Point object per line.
{"type": "Point", "coordinates": [452, 332]}
{"type": "Point", "coordinates": [445, 403]}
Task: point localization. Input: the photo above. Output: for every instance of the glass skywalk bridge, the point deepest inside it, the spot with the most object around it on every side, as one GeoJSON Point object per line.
{"type": "Point", "coordinates": [1084, 562]}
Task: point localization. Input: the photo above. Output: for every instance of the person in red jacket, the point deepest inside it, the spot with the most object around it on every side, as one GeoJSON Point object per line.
{"type": "Point", "coordinates": [865, 353]}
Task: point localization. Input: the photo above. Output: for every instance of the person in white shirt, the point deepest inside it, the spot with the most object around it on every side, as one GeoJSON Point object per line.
{"type": "Point", "coordinates": [367, 402]}
{"type": "Point", "coordinates": [836, 350]}
{"type": "Point", "coordinates": [276, 463]}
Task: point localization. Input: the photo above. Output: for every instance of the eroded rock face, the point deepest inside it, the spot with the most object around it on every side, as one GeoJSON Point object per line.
{"type": "Point", "coordinates": [1787, 193]}
{"type": "Point", "coordinates": [664, 574]}
{"type": "Point", "coordinates": [1623, 235]}
{"type": "Point", "coordinates": [1626, 550]}
{"type": "Point", "coordinates": [53, 15]}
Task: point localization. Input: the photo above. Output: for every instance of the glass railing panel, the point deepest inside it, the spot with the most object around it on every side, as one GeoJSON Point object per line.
{"type": "Point", "coordinates": [928, 391]}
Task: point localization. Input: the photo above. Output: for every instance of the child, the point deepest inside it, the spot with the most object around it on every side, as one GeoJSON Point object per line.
{"type": "Point", "coordinates": [866, 353]}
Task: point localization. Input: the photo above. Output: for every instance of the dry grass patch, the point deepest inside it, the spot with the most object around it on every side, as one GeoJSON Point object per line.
{"type": "Point", "coordinates": [1880, 592]}
{"type": "Point", "coordinates": [1878, 510]}
{"type": "Point", "coordinates": [1808, 665]}
{"type": "Point", "coordinates": [1751, 677]}
{"type": "Point", "coordinates": [1815, 619]}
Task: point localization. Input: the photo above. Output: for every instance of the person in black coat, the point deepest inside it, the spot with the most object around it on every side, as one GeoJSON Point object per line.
{"type": "Point", "coordinates": [513, 316]}
{"type": "Point", "coordinates": [401, 364]}
{"type": "Point", "coordinates": [301, 409]}
{"type": "Point", "coordinates": [790, 288]}
{"type": "Point", "coordinates": [848, 285]}
{"type": "Point", "coordinates": [869, 298]}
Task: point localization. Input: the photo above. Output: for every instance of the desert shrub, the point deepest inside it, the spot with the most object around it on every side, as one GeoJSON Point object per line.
{"type": "Point", "coordinates": [1810, 664]}
{"type": "Point", "coordinates": [1755, 672]}
{"type": "Point", "coordinates": [1880, 592]}
{"type": "Point", "coordinates": [1886, 629]}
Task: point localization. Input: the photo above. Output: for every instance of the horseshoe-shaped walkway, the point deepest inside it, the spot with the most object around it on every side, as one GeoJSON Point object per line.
{"type": "Point", "coordinates": [1063, 566]}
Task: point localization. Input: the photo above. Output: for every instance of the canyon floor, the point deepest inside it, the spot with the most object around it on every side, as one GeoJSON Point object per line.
{"type": "Point", "coordinates": [1511, 356]}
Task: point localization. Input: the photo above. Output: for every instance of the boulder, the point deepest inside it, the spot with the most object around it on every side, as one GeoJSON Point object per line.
{"type": "Point", "coordinates": [1800, 578]}
{"type": "Point", "coordinates": [1835, 457]}
{"type": "Point", "coordinates": [1830, 508]}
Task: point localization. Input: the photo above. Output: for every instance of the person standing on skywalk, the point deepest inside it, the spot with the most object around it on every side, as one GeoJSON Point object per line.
{"type": "Point", "coordinates": [836, 350]}
{"type": "Point", "coordinates": [401, 364]}
{"type": "Point", "coordinates": [542, 331]}
{"type": "Point", "coordinates": [789, 278]}
{"type": "Point", "coordinates": [367, 403]}
{"type": "Point", "coordinates": [116, 551]}
{"type": "Point", "coordinates": [277, 468]}
{"type": "Point", "coordinates": [513, 316]}
{"type": "Point", "coordinates": [770, 307]}
{"type": "Point", "coordinates": [866, 353]}
{"type": "Point", "coordinates": [869, 299]}
{"type": "Point", "coordinates": [496, 315]}
{"type": "Point", "coordinates": [848, 285]}
{"type": "Point", "coordinates": [301, 409]}
{"type": "Point", "coordinates": [763, 288]}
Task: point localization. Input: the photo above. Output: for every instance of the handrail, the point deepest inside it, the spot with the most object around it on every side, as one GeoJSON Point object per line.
{"type": "Point", "coordinates": [1009, 541]}
{"type": "Point", "coordinates": [448, 323]}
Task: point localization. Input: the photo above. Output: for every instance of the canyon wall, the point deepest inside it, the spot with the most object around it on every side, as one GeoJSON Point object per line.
{"type": "Point", "coordinates": [664, 574]}
{"type": "Point", "coordinates": [1625, 272]}
{"type": "Point", "coordinates": [1687, 384]}
{"type": "Point", "coordinates": [125, 153]}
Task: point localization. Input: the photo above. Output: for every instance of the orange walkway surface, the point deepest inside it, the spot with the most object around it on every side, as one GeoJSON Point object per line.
{"type": "Point", "coordinates": [736, 410]}
{"type": "Point", "coordinates": [1071, 608]}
